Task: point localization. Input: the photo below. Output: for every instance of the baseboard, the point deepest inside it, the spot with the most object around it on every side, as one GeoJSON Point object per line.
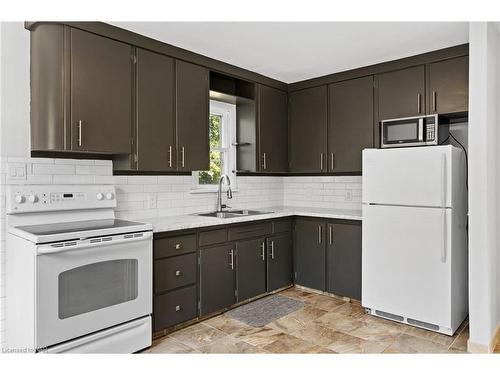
{"type": "Point", "coordinates": [473, 347]}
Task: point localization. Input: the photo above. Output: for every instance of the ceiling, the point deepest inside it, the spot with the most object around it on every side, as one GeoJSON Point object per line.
{"type": "Point", "coordinates": [294, 51]}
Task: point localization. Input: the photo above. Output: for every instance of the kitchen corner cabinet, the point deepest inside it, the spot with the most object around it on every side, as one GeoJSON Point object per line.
{"type": "Point", "coordinates": [101, 94]}
{"type": "Point", "coordinates": [308, 129]}
{"type": "Point", "coordinates": [250, 268]}
{"type": "Point", "coordinates": [273, 129]}
{"type": "Point", "coordinates": [309, 253]}
{"type": "Point", "coordinates": [192, 117]}
{"type": "Point", "coordinates": [343, 259]}
{"type": "Point", "coordinates": [327, 256]}
{"type": "Point", "coordinates": [217, 278]}
{"type": "Point", "coordinates": [350, 123]}
{"type": "Point", "coordinates": [401, 93]}
{"type": "Point", "coordinates": [155, 111]}
{"type": "Point", "coordinates": [448, 86]}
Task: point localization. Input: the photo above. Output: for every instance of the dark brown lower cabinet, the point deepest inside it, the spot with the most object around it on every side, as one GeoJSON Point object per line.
{"type": "Point", "coordinates": [217, 278]}
{"type": "Point", "coordinates": [174, 307]}
{"type": "Point", "coordinates": [343, 259]}
{"type": "Point", "coordinates": [250, 268]}
{"type": "Point", "coordinates": [309, 253]}
{"type": "Point", "coordinates": [279, 261]}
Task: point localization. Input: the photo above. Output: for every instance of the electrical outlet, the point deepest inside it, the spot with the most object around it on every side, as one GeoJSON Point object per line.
{"type": "Point", "coordinates": [348, 195]}
{"type": "Point", "coordinates": [151, 201]}
{"type": "Point", "coordinates": [17, 171]}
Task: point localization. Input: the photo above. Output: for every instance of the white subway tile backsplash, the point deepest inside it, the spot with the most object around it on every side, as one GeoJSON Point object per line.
{"type": "Point", "coordinates": [99, 170]}
{"type": "Point", "coordinates": [73, 180]}
{"type": "Point", "coordinates": [53, 169]}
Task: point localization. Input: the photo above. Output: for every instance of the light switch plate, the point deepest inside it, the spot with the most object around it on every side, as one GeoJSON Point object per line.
{"type": "Point", "coordinates": [17, 171]}
{"type": "Point", "coordinates": [348, 195]}
{"type": "Point", "coordinates": [151, 201]}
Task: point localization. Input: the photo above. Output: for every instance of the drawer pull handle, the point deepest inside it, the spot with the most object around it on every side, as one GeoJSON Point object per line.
{"type": "Point", "coordinates": [178, 308]}
{"type": "Point", "coordinates": [263, 251]}
{"type": "Point", "coordinates": [178, 273]}
{"type": "Point", "coordinates": [178, 246]}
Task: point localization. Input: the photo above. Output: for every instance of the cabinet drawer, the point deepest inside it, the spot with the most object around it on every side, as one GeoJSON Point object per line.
{"type": "Point", "coordinates": [280, 226]}
{"type": "Point", "coordinates": [211, 237]}
{"type": "Point", "coordinates": [174, 272]}
{"type": "Point", "coordinates": [165, 247]}
{"type": "Point", "coordinates": [174, 307]}
{"type": "Point", "coordinates": [249, 231]}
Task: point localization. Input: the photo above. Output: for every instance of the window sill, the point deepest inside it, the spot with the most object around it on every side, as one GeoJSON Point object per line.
{"type": "Point", "coordinates": [209, 190]}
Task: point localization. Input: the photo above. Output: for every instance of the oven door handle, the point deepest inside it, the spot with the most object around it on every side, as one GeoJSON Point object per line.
{"type": "Point", "coordinates": [48, 249]}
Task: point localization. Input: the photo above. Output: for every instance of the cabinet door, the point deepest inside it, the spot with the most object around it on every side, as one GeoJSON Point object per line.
{"type": "Point", "coordinates": [101, 94]}
{"type": "Point", "coordinates": [309, 253]}
{"type": "Point", "coordinates": [273, 130]}
{"type": "Point", "coordinates": [192, 95]}
{"type": "Point", "coordinates": [279, 261]}
{"type": "Point", "coordinates": [308, 124]}
{"type": "Point", "coordinates": [155, 111]}
{"type": "Point", "coordinates": [343, 254]}
{"type": "Point", "coordinates": [401, 93]}
{"type": "Point", "coordinates": [449, 85]}
{"type": "Point", "coordinates": [350, 123]}
{"type": "Point", "coordinates": [250, 268]}
{"type": "Point", "coordinates": [216, 278]}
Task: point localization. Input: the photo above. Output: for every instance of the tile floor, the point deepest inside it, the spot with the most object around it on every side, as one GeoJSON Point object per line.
{"type": "Point", "coordinates": [324, 325]}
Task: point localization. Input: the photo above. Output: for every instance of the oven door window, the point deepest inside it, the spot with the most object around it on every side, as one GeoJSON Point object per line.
{"type": "Point", "coordinates": [401, 131]}
{"type": "Point", "coordinates": [96, 286]}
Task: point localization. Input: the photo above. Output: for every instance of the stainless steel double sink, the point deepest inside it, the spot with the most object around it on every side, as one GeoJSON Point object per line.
{"type": "Point", "coordinates": [233, 213]}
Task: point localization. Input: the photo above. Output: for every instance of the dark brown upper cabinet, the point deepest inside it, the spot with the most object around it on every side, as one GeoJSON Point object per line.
{"type": "Point", "coordinates": [308, 126]}
{"type": "Point", "coordinates": [273, 129]}
{"type": "Point", "coordinates": [192, 99]}
{"type": "Point", "coordinates": [155, 106]}
{"type": "Point", "coordinates": [101, 94]}
{"type": "Point", "coordinates": [401, 93]}
{"type": "Point", "coordinates": [448, 86]}
{"type": "Point", "coordinates": [350, 123]}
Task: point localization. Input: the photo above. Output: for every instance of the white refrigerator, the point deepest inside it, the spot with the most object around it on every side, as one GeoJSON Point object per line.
{"type": "Point", "coordinates": [414, 257]}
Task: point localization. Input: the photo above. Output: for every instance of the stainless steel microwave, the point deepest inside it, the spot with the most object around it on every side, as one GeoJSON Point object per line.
{"type": "Point", "coordinates": [414, 131]}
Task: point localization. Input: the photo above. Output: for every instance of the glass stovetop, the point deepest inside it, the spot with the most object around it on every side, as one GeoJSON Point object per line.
{"type": "Point", "coordinates": [76, 226]}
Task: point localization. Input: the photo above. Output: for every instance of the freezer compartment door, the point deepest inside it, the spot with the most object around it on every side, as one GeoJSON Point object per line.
{"type": "Point", "coordinates": [406, 262]}
{"type": "Point", "coordinates": [415, 176]}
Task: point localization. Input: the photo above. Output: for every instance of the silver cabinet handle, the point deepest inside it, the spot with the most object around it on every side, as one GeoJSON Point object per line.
{"type": "Point", "coordinates": [263, 251]}
{"type": "Point", "coordinates": [182, 156]}
{"type": "Point", "coordinates": [434, 103]}
{"type": "Point", "coordinates": [332, 159]}
{"type": "Point", "coordinates": [231, 255]}
{"type": "Point", "coordinates": [272, 250]}
{"type": "Point", "coordinates": [419, 103]}
{"type": "Point", "coordinates": [264, 161]}
{"type": "Point", "coordinates": [319, 234]}
{"type": "Point", "coordinates": [330, 232]}
{"type": "Point", "coordinates": [80, 124]}
{"type": "Point", "coordinates": [321, 161]}
{"type": "Point", "coordinates": [178, 273]}
{"type": "Point", "coordinates": [170, 156]}
{"type": "Point", "coordinates": [178, 308]}
{"type": "Point", "coordinates": [178, 246]}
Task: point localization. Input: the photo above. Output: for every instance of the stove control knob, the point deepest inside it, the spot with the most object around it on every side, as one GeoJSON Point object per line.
{"type": "Point", "coordinates": [19, 198]}
{"type": "Point", "coordinates": [99, 196]}
{"type": "Point", "coordinates": [32, 198]}
{"type": "Point", "coordinates": [109, 196]}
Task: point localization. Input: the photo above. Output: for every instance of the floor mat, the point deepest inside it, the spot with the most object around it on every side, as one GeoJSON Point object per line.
{"type": "Point", "coordinates": [265, 310]}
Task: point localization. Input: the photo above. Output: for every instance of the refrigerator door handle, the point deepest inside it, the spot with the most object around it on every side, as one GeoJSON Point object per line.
{"type": "Point", "coordinates": [443, 180]}
{"type": "Point", "coordinates": [445, 235]}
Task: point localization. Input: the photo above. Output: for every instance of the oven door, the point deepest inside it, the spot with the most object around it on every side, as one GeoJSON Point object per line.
{"type": "Point", "coordinates": [89, 285]}
{"type": "Point", "coordinates": [402, 132]}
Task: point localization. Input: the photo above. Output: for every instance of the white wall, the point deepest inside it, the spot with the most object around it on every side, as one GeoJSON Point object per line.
{"type": "Point", "coordinates": [484, 184]}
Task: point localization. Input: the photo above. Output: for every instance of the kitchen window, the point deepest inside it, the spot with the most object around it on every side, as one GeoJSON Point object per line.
{"type": "Point", "coordinates": [222, 136]}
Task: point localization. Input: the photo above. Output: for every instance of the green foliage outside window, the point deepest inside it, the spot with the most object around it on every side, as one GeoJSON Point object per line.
{"type": "Point", "coordinates": [212, 176]}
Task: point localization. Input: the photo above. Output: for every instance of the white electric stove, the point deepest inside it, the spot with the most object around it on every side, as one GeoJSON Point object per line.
{"type": "Point", "coordinates": [78, 280]}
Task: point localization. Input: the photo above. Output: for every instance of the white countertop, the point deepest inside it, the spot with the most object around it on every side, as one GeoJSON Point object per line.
{"type": "Point", "coordinates": [171, 223]}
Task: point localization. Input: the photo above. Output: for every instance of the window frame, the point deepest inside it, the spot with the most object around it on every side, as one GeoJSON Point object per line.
{"type": "Point", "coordinates": [227, 112]}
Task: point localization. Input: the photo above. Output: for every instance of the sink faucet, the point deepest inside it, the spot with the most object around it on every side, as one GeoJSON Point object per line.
{"type": "Point", "coordinates": [221, 206]}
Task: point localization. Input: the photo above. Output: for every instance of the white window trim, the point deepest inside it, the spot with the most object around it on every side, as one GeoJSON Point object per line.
{"type": "Point", "coordinates": [228, 113]}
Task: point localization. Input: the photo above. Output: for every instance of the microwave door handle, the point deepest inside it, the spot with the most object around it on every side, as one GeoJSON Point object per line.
{"type": "Point", "coordinates": [47, 249]}
{"type": "Point", "coordinates": [421, 129]}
